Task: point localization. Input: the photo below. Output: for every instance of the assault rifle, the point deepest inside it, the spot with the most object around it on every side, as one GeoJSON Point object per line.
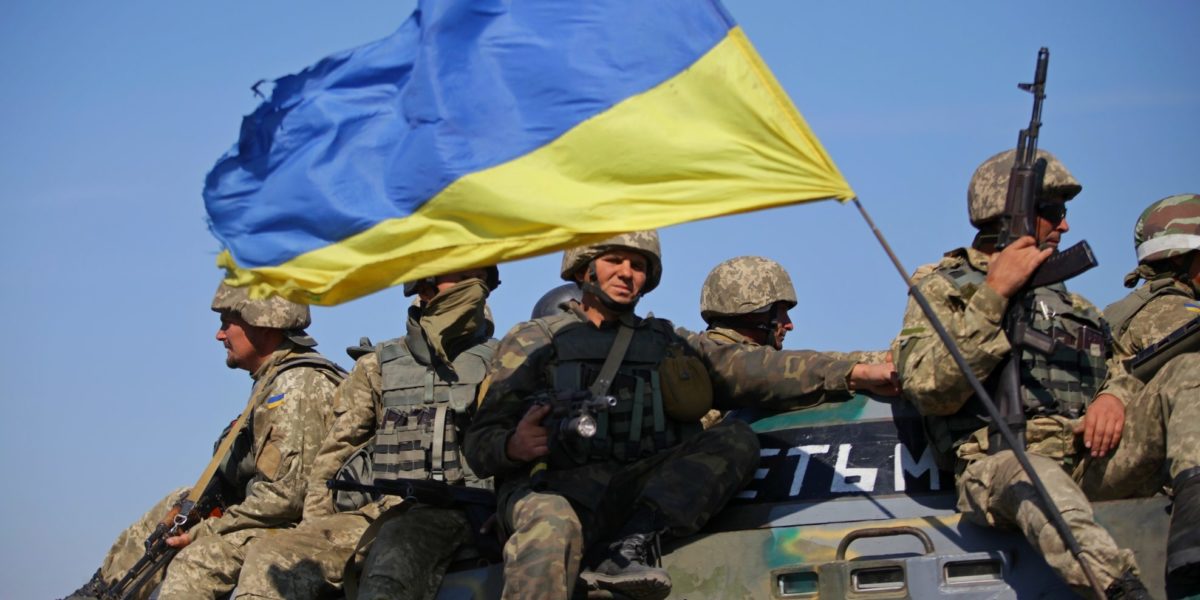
{"type": "Point", "coordinates": [424, 491]}
{"type": "Point", "coordinates": [1025, 194]}
{"type": "Point", "coordinates": [1146, 363]}
{"type": "Point", "coordinates": [182, 516]}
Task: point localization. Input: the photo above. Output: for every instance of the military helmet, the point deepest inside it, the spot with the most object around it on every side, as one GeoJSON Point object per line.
{"type": "Point", "coordinates": [550, 302]}
{"type": "Point", "coordinates": [492, 281]}
{"type": "Point", "coordinates": [989, 184]}
{"type": "Point", "coordinates": [1169, 227]}
{"type": "Point", "coordinates": [744, 285]}
{"type": "Point", "coordinates": [273, 312]}
{"type": "Point", "coordinates": [643, 242]}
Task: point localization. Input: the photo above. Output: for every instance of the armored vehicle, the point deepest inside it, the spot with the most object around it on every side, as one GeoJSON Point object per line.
{"type": "Point", "coordinates": [849, 503]}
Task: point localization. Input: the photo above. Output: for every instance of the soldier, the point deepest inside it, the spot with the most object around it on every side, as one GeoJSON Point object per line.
{"type": "Point", "coordinates": [642, 468]}
{"type": "Point", "coordinates": [292, 409]}
{"type": "Point", "coordinates": [970, 291]}
{"type": "Point", "coordinates": [1159, 442]}
{"type": "Point", "coordinates": [745, 300]}
{"type": "Point", "coordinates": [400, 414]}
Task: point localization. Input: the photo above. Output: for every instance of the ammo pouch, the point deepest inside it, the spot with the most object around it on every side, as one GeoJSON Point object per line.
{"type": "Point", "coordinates": [357, 469]}
{"type": "Point", "coordinates": [686, 388]}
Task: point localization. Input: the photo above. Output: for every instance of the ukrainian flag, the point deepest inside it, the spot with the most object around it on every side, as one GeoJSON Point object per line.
{"type": "Point", "coordinates": [484, 131]}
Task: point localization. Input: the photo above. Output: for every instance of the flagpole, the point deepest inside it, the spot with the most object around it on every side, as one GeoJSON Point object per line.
{"type": "Point", "coordinates": [1018, 449]}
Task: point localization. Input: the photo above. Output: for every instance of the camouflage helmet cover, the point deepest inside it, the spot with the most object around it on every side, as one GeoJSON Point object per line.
{"type": "Point", "coordinates": [642, 242]}
{"type": "Point", "coordinates": [989, 184]}
{"type": "Point", "coordinates": [1169, 227]}
{"type": "Point", "coordinates": [273, 312]}
{"type": "Point", "coordinates": [744, 285]}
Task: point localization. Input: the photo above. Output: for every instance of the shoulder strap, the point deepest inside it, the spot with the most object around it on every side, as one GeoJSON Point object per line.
{"type": "Point", "coordinates": [612, 362]}
{"type": "Point", "coordinates": [1120, 313]}
{"type": "Point", "coordinates": [333, 371]}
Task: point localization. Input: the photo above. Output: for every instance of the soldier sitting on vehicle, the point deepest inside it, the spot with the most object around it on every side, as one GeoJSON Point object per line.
{"type": "Point", "coordinates": [1160, 438]}
{"type": "Point", "coordinates": [969, 291]}
{"type": "Point", "coordinates": [290, 406]}
{"type": "Point", "coordinates": [590, 424]}
{"type": "Point", "coordinates": [400, 414]}
{"type": "Point", "coordinates": [745, 300]}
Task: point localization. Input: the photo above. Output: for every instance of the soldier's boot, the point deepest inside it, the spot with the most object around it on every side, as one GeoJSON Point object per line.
{"type": "Point", "coordinates": [1127, 587]}
{"type": "Point", "coordinates": [627, 570]}
{"type": "Point", "coordinates": [1183, 541]}
{"type": "Point", "coordinates": [628, 566]}
{"type": "Point", "coordinates": [90, 590]}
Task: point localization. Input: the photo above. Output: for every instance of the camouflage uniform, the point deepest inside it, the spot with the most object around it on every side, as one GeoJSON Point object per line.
{"type": "Point", "coordinates": [411, 548]}
{"type": "Point", "coordinates": [1160, 443]}
{"type": "Point", "coordinates": [585, 492]}
{"type": "Point", "coordinates": [992, 488]}
{"type": "Point", "coordinates": [266, 469]}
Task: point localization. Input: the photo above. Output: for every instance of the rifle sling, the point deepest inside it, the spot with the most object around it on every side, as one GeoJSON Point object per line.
{"type": "Point", "coordinates": [218, 456]}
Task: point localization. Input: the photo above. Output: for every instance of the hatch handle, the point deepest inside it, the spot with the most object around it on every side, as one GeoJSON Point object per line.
{"type": "Point", "coordinates": [870, 532]}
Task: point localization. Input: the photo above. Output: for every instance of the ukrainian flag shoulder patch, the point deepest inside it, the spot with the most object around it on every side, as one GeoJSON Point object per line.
{"type": "Point", "coordinates": [275, 401]}
{"type": "Point", "coordinates": [1192, 307]}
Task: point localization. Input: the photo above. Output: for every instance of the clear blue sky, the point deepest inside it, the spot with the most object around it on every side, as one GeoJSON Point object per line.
{"type": "Point", "coordinates": [114, 389]}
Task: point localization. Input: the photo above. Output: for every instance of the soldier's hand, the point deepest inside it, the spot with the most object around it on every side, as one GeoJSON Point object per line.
{"type": "Point", "coordinates": [1011, 268]}
{"type": "Point", "coordinates": [879, 379]}
{"type": "Point", "coordinates": [179, 541]}
{"type": "Point", "coordinates": [529, 440]}
{"type": "Point", "coordinates": [1102, 424]}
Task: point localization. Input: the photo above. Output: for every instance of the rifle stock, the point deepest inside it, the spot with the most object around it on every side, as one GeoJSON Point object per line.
{"type": "Point", "coordinates": [1145, 364]}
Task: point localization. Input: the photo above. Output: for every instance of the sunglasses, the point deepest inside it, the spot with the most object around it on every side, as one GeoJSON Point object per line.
{"type": "Point", "coordinates": [1054, 212]}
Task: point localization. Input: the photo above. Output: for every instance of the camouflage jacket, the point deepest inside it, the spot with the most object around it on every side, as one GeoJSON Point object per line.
{"type": "Point", "coordinates": [1160, 316]}
{"type": "Point", "coordinates": [929, 376]}
{"type": "Point", "coordinates": [742, 375]}
{"type": "Point", "coordinates": [292, 412]}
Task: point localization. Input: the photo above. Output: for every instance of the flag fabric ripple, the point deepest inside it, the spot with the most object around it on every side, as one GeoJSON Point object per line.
{"type": "Point", "coordinates": [483, 131]}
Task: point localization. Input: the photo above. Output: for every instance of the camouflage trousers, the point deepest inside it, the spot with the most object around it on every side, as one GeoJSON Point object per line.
{"type": "Point", "coordinates": [551, 528]}
{"type": "Point", "coordinates": [305, 562]}
{"type": "Point", "coordinates": [994, 491]}
{"type": "Point", "coordinates": [129, 546]}
{"type": "Point", "coordinates": [1160, 439]}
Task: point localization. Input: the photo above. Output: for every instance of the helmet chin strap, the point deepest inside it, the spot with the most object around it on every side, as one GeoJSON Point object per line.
{"type": "Point", "coordinates": [590, 286]}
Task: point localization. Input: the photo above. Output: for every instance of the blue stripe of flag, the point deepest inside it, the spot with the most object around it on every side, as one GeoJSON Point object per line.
{"type": "Point", "coordinates": [372, 133]}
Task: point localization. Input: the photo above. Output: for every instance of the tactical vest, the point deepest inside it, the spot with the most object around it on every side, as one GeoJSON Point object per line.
{"type": "Point", "coordinates": [1059, 383]}
{"type": "Point", "coordinates": [424, 409]}
{"type": "Point", "coordinates": [1121, 313]}
{"type": "Point", "coordinates": [637, 426]}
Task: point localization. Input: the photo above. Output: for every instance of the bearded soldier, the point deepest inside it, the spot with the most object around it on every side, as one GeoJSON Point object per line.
{"type": "Point", "coordinates": [264, 474]}
{"type": "Point", "coordinates": [400, 414]}
{"type": "Point", "coordinates": [1160, 438]}
{"type": "Point", "coordinates": [745, 300]}
{"type": "Point", "coordinates": [590, 424]}
{"type": "Point", "coordinates": [970, 290]}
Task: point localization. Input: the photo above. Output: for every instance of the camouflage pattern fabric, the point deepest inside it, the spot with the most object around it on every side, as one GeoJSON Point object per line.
{"type": "Point", "coordinates": [544, 548]}
{"type": "Point", "coordinates": [1169, 227]}
{"type": "Point", "coordinates": [411, 552]}
{"type": "Point", "coordinates": [994, 491]}
{"type": "Point", "coordinates": [305, 562]}
{"type": "Point", "coordinates": [291, 415]}
{"type": "Point", "coordinates": [273, 312]}
{"type": "Point", "coordinates": [989, 185]}
{"type": "Point", "coordinates": [744, 285]}
{"type": "Point", "coordinates": [1162, 418]}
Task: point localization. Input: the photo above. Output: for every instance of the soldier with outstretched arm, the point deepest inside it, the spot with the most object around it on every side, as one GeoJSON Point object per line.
{"type": "Point", "coordinates": [601, 499]}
